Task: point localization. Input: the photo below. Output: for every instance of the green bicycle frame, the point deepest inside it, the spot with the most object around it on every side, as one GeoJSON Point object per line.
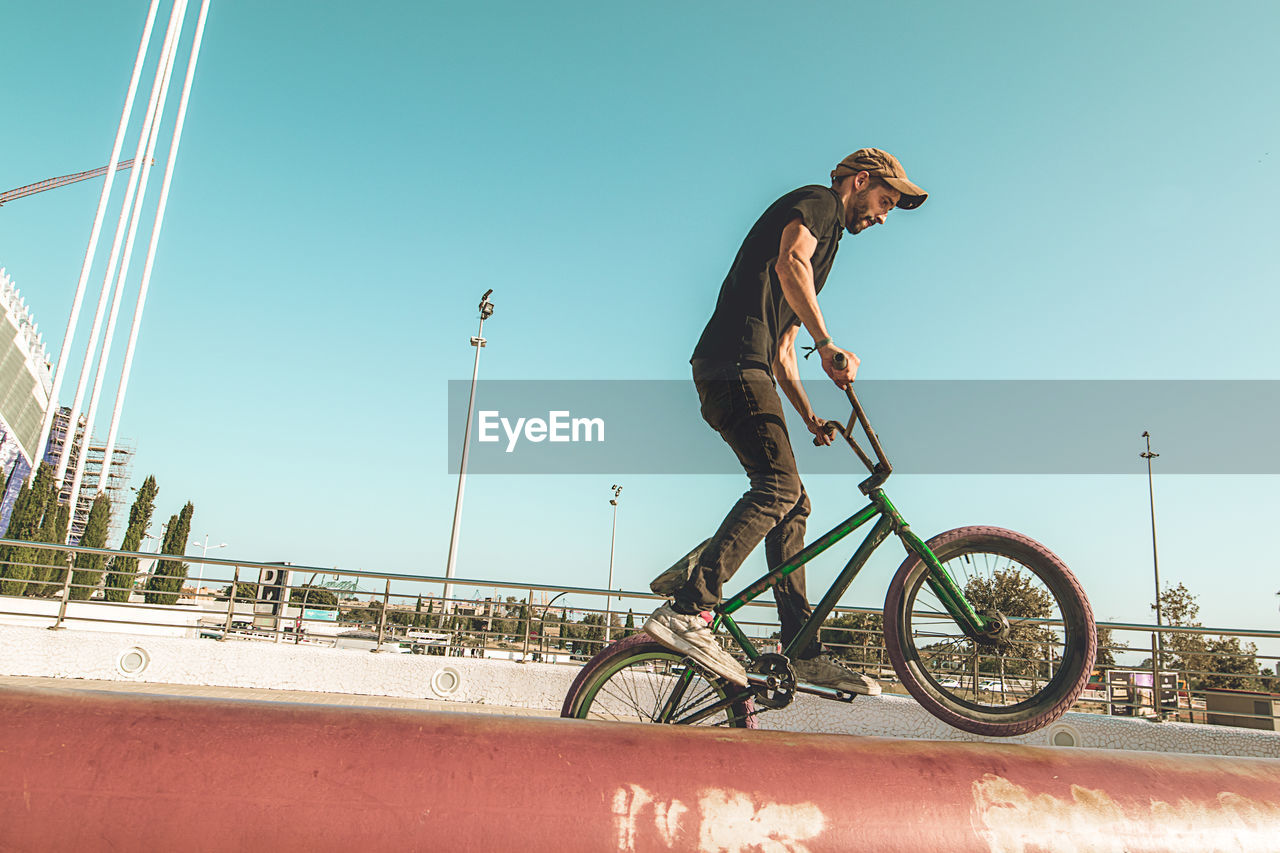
{"type": "Point", "coordinates": [890, 521]}
{"type": "Point", "coordinates": [972, 623]}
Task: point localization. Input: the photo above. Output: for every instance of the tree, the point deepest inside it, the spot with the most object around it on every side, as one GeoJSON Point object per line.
{"type": "Point", "coordinates": [1234, 666]}
{"type": "Point", "coordinates": [505, 619]}
{"type": "Point", "coordinates": [1206, 662]}
{"type": "Point", "coordinates": [50, 571]}
{"type": "Point", "coordinates": [49, 566]}
{"type": "Point", "coordinates": [89, 566]}
{"type": "Point", "coordinates": [363, 612]}
{"type": "Point", "coordinates": [858, 637]}
{"type": "Point", "coordinates": [1031, 647]}
{"type": "Point", "coordinates": [245, 591]}
{"type": "Point", "coordinates": [522, 620]}
{"type": "Point", "coordinates": [1185, 652]}
{"type": "Point", "coordinates": [315, 597]}
{"type": "Point", "coordinates": [122, 570]}
{"type": "Point", "coordinates": [1107, 646]}
{"type": "Point", "coordinates": [166, 579]}
{"type": "Point", "coordinates": [18, 564]}
{"type": "Point", "coordinates": [587, 636]}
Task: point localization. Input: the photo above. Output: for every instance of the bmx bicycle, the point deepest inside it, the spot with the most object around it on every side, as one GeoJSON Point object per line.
{"type": "Point", "coordinates": [987, 629]}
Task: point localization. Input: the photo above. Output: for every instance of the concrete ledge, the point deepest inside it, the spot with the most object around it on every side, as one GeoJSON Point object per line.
{"type": "Point", "coordinates": [283, 666]}
{"type": "Point", "coordinates": [177, 660]}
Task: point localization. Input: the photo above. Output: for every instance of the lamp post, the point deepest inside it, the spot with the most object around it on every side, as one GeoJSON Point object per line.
{"type": "Point", "coordinates": [1157, 644]}
{"type": "Point", "coordinates": [613, 537]}
{"type": "Point", "coordinates": [204, 553]}
{"type": "Point", "coordinates": [477, 341]}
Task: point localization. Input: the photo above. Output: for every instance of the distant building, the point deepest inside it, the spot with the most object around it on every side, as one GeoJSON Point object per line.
{"type": "Point", "coordinates": [117, 481]}
{"type": "Point", "coordinates": [25, 385]}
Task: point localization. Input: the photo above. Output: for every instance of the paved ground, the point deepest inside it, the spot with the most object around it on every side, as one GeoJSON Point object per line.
{"type": "Point", "coordinates": [264, 695]}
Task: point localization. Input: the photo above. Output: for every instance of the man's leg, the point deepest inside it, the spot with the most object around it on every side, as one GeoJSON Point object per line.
{"type": "Point", "coordinates": [744, 408]}
{"type": "Point", "coordinates": [813, 664]}
{"type": "Point", "coordinates": [782, 543]}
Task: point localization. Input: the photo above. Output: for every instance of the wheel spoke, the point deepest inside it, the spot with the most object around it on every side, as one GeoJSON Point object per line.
{"type": "Point", "coordinates": [654, 686]}
{"type": "Point", "coordinates": [1013, 671]}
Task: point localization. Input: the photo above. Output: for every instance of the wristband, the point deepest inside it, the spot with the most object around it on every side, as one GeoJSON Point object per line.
{"type": "Point", "coordinates": [817, 345]}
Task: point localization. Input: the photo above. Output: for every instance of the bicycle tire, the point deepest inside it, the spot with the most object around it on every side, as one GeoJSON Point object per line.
{"type": "Point", "coordinates": [926, 658]}
{"type": "Point", "coordinates": [627, 681]}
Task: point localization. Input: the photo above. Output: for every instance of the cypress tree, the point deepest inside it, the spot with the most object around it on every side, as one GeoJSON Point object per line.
{"type": "Point", "coordinates": [52, 571]}
{"type": "Point", "coordinates": [89, 566]}
{"type": "Point", "coordinates": [166, 579]}
{"type": "Point", "coordinates": [35, 558]}
{"type": "Point", "coordinates": [24, 524]}
{"type": "Point", "coordinates": [122, 570]}
{"type": "Point", "coordinates": [38, 558]}
{"type": "Point", "coordinates": [522, 621]}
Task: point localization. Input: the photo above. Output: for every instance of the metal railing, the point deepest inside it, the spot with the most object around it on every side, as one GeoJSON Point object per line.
{"type": "Point", "coordinates": [1207, 675]}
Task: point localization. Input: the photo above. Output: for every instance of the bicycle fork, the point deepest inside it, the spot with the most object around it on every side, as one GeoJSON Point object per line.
{"type": "Point", "coordinates": [975, 625]}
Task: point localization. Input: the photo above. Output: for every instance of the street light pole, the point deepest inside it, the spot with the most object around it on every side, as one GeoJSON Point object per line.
{"type": "Point", "coordinates": [203, 555]}
{"type": "Point", "coordinates": [478, 341]}
{"type": "Point", "coordinates": [613, 538]}
{"type": "Point", "coordinates": [1158, 644]}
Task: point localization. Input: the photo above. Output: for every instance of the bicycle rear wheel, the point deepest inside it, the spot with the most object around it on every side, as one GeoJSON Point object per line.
{"type": "Point", "coordinates": [640, 680]}
{"type": "Point", "coordinates": [1004, 686]}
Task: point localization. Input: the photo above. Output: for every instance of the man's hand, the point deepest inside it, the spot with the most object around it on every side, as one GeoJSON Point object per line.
{"type": "Point", "coordinates": [842, 377]}
{"type": "Point", "coordinates": [817, 426]}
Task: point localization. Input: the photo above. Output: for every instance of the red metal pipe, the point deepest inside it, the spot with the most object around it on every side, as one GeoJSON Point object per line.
{"type": "Point", "coordinates": [87, 771]}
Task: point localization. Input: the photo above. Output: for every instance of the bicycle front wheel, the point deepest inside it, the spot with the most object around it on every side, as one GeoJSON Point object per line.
{"type": "Point", "coordinates": [1002, 686]}
{"type": "Point", "coordinates": [640, 680]}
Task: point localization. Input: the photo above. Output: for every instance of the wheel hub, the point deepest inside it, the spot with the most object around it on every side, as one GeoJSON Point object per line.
{"type": "Point", "coordinates": [997, 628]}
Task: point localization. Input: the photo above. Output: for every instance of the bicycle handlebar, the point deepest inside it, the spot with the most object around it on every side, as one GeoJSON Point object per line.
{"type": "Point", "coordinates": [881, 469]}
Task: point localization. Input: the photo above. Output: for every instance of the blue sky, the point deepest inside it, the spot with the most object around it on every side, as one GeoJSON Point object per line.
{"type": "Point", "coordinates": [350, 181]}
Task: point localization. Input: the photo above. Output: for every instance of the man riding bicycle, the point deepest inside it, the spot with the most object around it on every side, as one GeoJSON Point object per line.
{"type": "Point", "coordinates": [748, 347]}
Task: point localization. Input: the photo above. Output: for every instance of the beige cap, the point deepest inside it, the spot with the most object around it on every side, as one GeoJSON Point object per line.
{"type": "Point", "coordinates": [884, 165]}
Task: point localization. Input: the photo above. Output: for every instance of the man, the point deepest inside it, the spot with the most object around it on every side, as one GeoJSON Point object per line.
{"type": "Point", "coordinates": [747, 347]}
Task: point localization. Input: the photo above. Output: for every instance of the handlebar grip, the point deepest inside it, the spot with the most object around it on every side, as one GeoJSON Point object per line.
{"type": "Point", "coordinates": [838, 361]}
{"type": "Point", "coordinates": [831, 428]}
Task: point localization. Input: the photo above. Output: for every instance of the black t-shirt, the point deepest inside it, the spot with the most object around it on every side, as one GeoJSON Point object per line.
{"type": "Point", "coordinates": [752, 313]}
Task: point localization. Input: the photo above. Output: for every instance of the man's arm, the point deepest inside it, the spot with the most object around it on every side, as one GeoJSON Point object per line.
{"type": "Point", "coordinates": [787, 372]}
{"type": "Point", "coordinates": [795, 272]}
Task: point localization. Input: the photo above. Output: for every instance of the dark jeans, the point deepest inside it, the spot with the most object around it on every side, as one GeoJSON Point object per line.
{"type": "Point", "coordinates": [741, 403]}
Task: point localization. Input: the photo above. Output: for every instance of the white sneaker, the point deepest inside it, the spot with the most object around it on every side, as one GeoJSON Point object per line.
{"type": "Point", "coordinates": [826, 671]}
{"type": "Point", "coordinates": [691, 635]}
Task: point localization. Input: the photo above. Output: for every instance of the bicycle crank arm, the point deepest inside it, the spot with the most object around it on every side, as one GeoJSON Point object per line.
{"type": "Point", "coordinates": [765, 682]}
